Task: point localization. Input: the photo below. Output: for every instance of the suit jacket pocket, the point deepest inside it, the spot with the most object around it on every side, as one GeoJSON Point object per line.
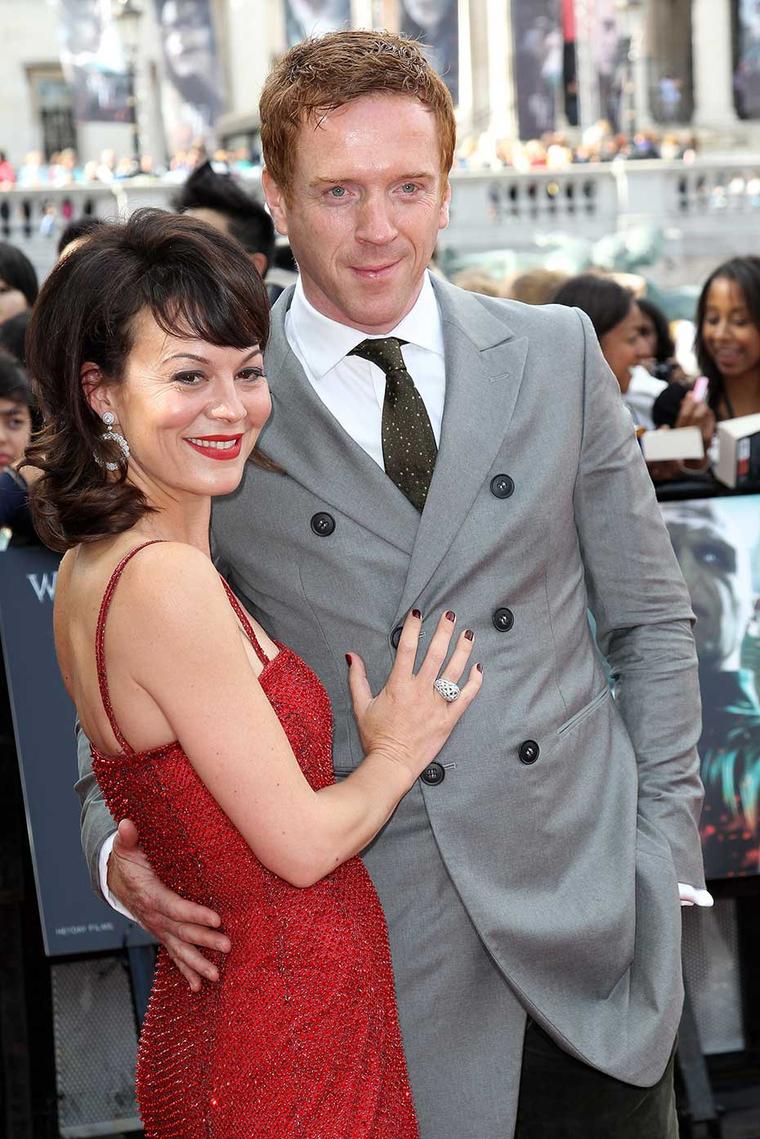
{"type": "Point", "coordinates": [585, 711]}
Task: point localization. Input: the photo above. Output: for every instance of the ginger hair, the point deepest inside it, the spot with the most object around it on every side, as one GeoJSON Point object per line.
{"type": "Point", "coordinates": [321, 74]}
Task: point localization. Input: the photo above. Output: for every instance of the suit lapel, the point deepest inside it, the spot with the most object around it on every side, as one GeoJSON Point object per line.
{"type": "Point", "coordinates": [308, 442]}
{"type": "Point", "coordinates": [484, 368]}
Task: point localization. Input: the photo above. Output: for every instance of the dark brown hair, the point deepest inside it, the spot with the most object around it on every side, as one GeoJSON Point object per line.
{"type": "Point", "coordinates": [195, 282]}
{"type": "Point", "coordinates": [745, 273]}
{"type": "Point", "coordinates": [318, 75]}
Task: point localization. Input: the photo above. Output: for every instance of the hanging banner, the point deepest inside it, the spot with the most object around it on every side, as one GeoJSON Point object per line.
{"type": "Point", "coordinates": [435, 23]}
{"type": "Point", "coordinates": [304, 18]}
{"type": "Point", "coordinates": [717, 543]}
{"type": "Point", "coordinates": [598, 26]}
{"type": "Point", "coordinates": [747, 74]}
{"type": "Point", "coordinates": [73, 919]}
{"type": "Point", "coordinates": [539, 59]}
{"type": "Point", "coordinates": [193, 88]}
{"type": "Point", "coordinates": [93, 62]}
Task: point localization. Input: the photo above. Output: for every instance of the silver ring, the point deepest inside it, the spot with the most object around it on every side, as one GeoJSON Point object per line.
{"type": "Point", "coordinates": [447, 689]}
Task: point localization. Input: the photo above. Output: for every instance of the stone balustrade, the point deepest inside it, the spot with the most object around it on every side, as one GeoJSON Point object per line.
{"type": "Point", "coordinates": [708, 207]}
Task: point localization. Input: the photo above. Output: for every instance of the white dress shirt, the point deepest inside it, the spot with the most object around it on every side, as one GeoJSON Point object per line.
{"type": "Point", "coordinates": [353, 389]}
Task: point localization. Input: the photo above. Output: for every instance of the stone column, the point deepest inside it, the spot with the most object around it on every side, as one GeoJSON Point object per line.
{"type": "Point", "coordinates": [501, 77]}
{"type": "Point", "coordinates": [713, 64]}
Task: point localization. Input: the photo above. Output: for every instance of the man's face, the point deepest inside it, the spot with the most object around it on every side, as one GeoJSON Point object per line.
{"type": "Point", "coordinates": [366, 203]}
{"type": "Point", "coordinates": [715, 565]}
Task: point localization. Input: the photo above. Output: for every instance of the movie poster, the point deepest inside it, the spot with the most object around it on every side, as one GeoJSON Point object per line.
{"type": "Point", "coordinates": [304, 18]}
{"type": "Point", "coordinates": [539, 62]}
{"type": "Point", "coordinates": [597, 23]}
{"type": "Point", "coordinates": [747, 72]}
{"type": "Point", "coordinates": [193, 91]}
{"type": "Point", "coordinates": [435, 23]}
{"type": "Point", "coordinates": [717, 543]}
{"type": "Point", "coordinates": [93, 62]}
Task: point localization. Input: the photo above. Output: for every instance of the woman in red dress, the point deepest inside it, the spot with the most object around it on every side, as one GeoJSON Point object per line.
{"type": "Point", "coordinates": [146, 349]}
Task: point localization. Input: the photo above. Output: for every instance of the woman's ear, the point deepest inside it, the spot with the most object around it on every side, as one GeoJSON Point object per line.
{"type": "Point", "coordinates": [96, 391]}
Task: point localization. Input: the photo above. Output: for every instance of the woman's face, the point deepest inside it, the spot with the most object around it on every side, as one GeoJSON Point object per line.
{"type": "Point", "coordinates": [728, 332]}
{"type": "Point", "coordinates": [12, 301]}
{"type": "Point", "coordinates": [624, 346]}
{"type": "Point", "coordinates": [15, 431]}
{"type": "Point", "coordinates": [190, 411]}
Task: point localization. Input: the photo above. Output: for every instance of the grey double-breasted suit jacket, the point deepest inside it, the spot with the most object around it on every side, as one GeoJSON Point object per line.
{"type": "Point", "coordinates": [529, 879]}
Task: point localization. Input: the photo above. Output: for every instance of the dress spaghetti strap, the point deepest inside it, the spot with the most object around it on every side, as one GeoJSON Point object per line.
{"type": "Point", "coordinates": [100, 632]}
{"type": "Point", "coordinates": [100, 656]}
{"type": "Point", "coordinates": [245, 621]}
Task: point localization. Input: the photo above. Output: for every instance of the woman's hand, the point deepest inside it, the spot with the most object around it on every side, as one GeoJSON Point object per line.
{"type": "Point", "coordinates": [408, 721]}
{"type": "Point", "coordinates": [695, 413]}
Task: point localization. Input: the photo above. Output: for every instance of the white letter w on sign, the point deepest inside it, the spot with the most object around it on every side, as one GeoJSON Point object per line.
{"type": "Point", "coordinates": [43, 585]}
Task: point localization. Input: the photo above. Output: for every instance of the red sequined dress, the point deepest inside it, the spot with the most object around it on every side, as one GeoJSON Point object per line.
{"type": "Point", "coordinates": [299, 1039]}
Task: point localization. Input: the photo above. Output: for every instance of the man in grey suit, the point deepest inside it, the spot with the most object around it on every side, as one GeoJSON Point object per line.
{"type": "Point", "coordinates": [440, 449]}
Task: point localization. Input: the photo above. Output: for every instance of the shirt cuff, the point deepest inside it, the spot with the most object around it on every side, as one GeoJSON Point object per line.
{"type": "Point", "coordinates": [113, 901]}
{"type": "Point", "coordinates": [692, 897]}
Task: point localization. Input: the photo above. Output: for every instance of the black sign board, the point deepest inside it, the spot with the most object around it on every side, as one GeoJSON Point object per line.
{"type": "Point", "coordinates": [74, 920]}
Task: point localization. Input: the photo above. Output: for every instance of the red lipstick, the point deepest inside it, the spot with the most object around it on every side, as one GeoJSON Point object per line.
{"type": "Point", "coordinates": [219, 447]}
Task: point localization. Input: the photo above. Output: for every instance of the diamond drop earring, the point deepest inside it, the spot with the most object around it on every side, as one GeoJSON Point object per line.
{"type": "Point", "coordinates": [112, 436]}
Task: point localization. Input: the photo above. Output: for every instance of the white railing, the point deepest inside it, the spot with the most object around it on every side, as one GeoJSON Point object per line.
{"type": "Point", "coordinates": [707, 207]}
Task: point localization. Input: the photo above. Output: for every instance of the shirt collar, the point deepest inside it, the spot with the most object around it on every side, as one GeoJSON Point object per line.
{"type": "Point", "coordinates": [325, 342]}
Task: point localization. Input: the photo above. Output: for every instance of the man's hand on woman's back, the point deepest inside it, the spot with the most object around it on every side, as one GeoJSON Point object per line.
{"type": "Point", "coordinates": [183, 927]}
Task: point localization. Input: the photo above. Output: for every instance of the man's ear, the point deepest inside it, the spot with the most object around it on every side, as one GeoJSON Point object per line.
{"type": "Point", "coordinates": [443, 216]}
{"type": "Point", "coordinates": [260, 263]}
{"type": "Point", "coordinates": [275, 200]}
{"type": "Point", "coordinates": [96, 391]}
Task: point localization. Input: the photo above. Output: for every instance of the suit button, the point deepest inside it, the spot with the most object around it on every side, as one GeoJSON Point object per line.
{"type": "Point", "coordinates": [434, 774]}
{"type": "Point", "coordinates": [503, 620]}
{"type": "Point", "coordinates": [396, 636]}
{"type": "Point", "coordinates": [502, 486]}
{"type": "Point", "coordinates": [323, 524]}
{"type": "Point", "coordinates": [529, 752]}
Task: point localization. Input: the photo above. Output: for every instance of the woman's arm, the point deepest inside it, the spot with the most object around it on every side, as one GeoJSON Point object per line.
{"type": "Point", "coordinates": [173, 631]}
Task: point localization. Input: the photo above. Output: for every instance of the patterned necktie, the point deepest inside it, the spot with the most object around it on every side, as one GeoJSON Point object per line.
{"type": "Point", "coordinates": [409, 447]}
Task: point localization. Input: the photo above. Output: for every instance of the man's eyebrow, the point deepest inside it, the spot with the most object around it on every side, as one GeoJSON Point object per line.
{"type": "Point", "coordinates": [401, 178]}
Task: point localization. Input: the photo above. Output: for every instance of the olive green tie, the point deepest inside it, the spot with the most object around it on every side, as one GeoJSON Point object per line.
{"type": "Point", "coordinates": [409, 447]}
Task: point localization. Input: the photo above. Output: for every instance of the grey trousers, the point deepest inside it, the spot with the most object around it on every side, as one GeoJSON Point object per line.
{"type": "Point", "coordinates": [463, 1027]}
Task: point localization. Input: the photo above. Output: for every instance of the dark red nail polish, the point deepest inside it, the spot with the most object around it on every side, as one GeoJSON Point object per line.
{"type": "Point", "coordinates": [451, 615]}
{"type": "Point", "coordinates": [468, 634]}
{"type": "Point", "coordinates": [479, 667]}
{"type": "Point", "coordinates": [348, 659]}
{"type": "Point", "coordinates": [416, 613]}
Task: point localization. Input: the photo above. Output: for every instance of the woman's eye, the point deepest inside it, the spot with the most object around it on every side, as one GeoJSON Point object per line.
{"type": "Point", "coordinates": [189, 379]}
{"type": "Point", "coordinates": [18, 424]}
{"type": "Point", "coordinates": [251, 374]}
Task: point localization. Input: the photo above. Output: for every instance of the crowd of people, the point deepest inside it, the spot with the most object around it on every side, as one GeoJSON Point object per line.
{"type": "Point", "coordinates": [554, 151]}
{"type": "Point", "coordinates": [634, 333]}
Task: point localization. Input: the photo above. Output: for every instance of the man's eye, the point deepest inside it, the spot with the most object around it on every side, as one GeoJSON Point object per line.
{"type": "Point", "coordinates": [337, 191]}
{"type": "Point", "coordinates": [409, 187]}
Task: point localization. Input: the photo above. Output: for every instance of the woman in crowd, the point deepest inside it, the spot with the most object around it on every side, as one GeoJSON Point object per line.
{"type": "Point", "coordinates": [728, 337]}
{"type": "Point", "coordinates": [146, 349]}
{"type": "Point", "coordinates": [659, 344]}
{"type": "Point", "coordinates": [617, 322]}
{"type": "Point", "coordinates": [18, 281]}
{"type": "Point", "coordinates": [16, 424]}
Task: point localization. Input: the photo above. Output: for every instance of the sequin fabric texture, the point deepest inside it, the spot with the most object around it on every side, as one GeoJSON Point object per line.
{"type": "Point", "coordinates": [299, 1039]}
{"type": "Point", "coordinates": [409, 446]}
